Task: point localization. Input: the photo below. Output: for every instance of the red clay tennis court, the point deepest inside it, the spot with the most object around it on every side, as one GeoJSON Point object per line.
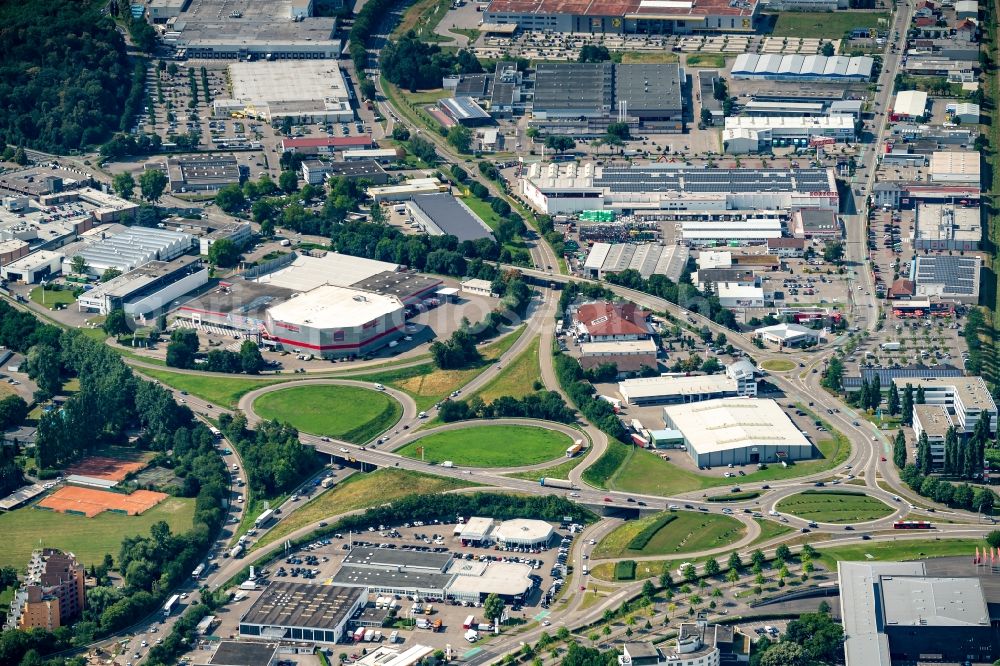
{"type": "Point", "coordinates": [103, 467]}
{"type": "Point", "coordinates": [89, 502]}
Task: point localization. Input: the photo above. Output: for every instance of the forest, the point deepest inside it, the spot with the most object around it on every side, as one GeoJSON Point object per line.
{"type": "Point", "coordinates": [65, 80]}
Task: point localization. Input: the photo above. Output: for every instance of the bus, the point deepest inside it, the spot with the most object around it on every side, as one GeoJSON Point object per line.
{"type": "Point", "coordinates": [168, 607]}
{"type": "Point", "coordinates": [912, 525]}
{"type": "Point", "coordinates": [198, 571]}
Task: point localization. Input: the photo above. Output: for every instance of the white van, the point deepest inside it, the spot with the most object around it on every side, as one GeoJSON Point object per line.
{"type": "Point", "coordinates": [379, 387]}
{"type": "Point", "coordinates": [472, 635]}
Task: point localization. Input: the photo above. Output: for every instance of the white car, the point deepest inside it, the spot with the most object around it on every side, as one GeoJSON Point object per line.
{"type": "Point", "coordinates": [343, 450]}
{"type": "Point", "coordinates": [379, 387]}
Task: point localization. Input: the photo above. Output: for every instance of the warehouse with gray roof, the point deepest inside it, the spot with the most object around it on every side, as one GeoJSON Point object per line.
{"type": "Point", "coordinates": [443, 214]}
{"type": "Point", "coordinates": [302, 612]}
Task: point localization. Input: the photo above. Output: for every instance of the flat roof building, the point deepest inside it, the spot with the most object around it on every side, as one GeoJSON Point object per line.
{"type": "Point", "coordinates": [670, 188]}
{"type": "Point", "coordinates": [738, 431]}
{"type": "Point", "coordinates": [814, 223]}
{"type": "Point", "coordinates": [776, 129]}
{"type": "Point", "coordinates": [955, 167]}
{"type": "Point", "coordinates": [948, 277]}
{"type": "Point", "coordinates": [149, 288]}
{"type": "Point", "coordinates": [739, 296]}
{"type": "Point", "coordinates": [243, 653]}
{"type": "Point", "coordinates": [894, 613]}
{"type": "Point", "coordinates": [627, 17]}
{"type": "Point", "coordinates": [381, 558]}
{"type": "Point", "coordinates": [314, 145]}
{"type": "Point", "coordinates": [308, 272]}
{"type": "Point", "coordinates": [410, 288]}
{"type": "Point", "coordinates": [242, 29]}
{"type": "Point", "coordinates": [675, 389]}
{"type": "Point", "coordinates": [33, 268]}
{"type": "Point", "coordinates": [967, 399]}
{"type": "Point", "coordinates": [629, 356]}
{"type": "Point", "coordinates": [302, 612]}
{"type": "Point", "coordinates": [947, 227]}
{"type": "Point", "coordinates": [443, 214]}
{"type": "Point", "coordinates": [200, 173]}
{"type": "Point", "coordinates": [311, 91]}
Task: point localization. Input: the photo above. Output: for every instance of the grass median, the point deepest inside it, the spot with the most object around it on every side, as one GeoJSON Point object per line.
{"type": "Point", "coordinates": [490, 446]}
{"type": "Point", "coordinates": [359, 491]}
{"type": "Point", "coordinates": [686, 532]}
{"type": "Point", "coordinates": [834, 506]}
{"type": "Point", "coordinates": [349, 413]}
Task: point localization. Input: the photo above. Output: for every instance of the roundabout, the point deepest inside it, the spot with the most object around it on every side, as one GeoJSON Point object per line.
{"type": "Point", "coordinates": [834, 506]}
{"type": "Point", "coordinates": [351, 413]}
{"type": "Point", "coordinates": [489, 445]}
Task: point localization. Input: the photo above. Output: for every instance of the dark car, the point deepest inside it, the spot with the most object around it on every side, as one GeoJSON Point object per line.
{"type": "Point", "coordinates": [805, 530]}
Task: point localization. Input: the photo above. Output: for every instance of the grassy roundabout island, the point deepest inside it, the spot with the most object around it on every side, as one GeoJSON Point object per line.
{"type": "Point", "coordinates": [673, 533]}
{"type": "Point", "coordinates": [349, 413]}
{"type": "Point", "coordinates": [490, 446]}
{"type": "Point", "coordinates": [834, 506]}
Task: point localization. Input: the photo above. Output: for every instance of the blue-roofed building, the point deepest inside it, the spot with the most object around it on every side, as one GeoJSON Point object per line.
{"type": "Point", "coordinates": [886, 375]}
{"type": "Point", "coordinates": [138, 11]}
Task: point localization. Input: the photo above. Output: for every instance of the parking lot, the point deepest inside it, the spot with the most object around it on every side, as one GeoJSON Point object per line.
{"type": "Point", "coordinates": [319, 563]}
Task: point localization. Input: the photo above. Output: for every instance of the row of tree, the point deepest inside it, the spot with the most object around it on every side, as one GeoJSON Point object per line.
{"type": "Point", "coordinates": [958, 496]}
{"type": "Point", "coordinates": [182, 352]}
{"type": "Point", "coordinates": [545, 405]}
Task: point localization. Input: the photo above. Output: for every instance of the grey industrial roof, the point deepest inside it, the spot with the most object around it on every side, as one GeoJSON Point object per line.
{"type": "Point", "coordinates": [288, 604]}
{"type": "Point", "coordinates": [464, 108]}
{"type": "Point", "coordinates": [641, 650]}
{"type": "Point", "coordinates": [936, 602]}
{"type": "Point", "coordinates": [401, 285]}
{"type": "Point", "coordinates": [406, 579]}
{"type": "Point", "coordinates": [452, 217]}
{"type": "Point", "coordinates": [886, 375]}
{"type": "Point", "coordinates": [649, 87]}
{"type": "Point", "coordinates": [864, 644]}
{"type": "Point", "coordinates": [569, 86]}
{"type": "Point", "coordinates": [472, 85]}
{"type": "Point", "coordinates": [959, 275]}
{"type": "Point", "coordinates": [232, 653]}
{"type": "Point", "coordinates": [696, 179]}
{"type": "Point", "coordinates": [393, 557]}
{"type": "Point", "coordinates": [356, 169]}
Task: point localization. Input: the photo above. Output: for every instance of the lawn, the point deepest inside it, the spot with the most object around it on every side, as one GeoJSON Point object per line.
{"type": "Point", "coordinates": [830, 25]}
{"type": "Point", "coordinates": [646, 473]}
{"type": "Point", "coordinates": [690, 531]}
{"type": "Point", "coordinates": [359, 491]}
{"type": "Point", "coordinates": [648, 58]}
{"type": "Point", "coordinates": [834, 506]}
{"type": "Point", "coordinates": [490, 446]}
{"type": "Point", "coordinates": [706, 60]}
{"type": "Point", "coordinates": [517, 379]}
{"type": "Point", "coordinates": [344, 412]}
{"type": "Point", "coordinates": [89, 538]}
{"type": "Point", "coordinates": [560, 471]}
{"type": "Point", "coordinates": [427, 385]}
{"type": "Point", "coordinates": [769, 529]}
{"type": "Point", "coordinates": [482, 210]}
{"type": "Point", "coordinates": [778, 365]}
{"type": "Point", "coordinates": [222, 391]}
{"type": "Point", "coordinates": [898, 551]}
{"type": "Point", "coordinates": [422, 17]}
{"type": "Point", "coordinates": [50, 298]}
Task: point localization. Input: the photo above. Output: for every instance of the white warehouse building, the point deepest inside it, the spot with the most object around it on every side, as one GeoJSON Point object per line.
{"type": "Point", "coordinates": [523, 532]}
{"type": "Point", "coordinates": [796, 67]}
{"type": "Point", "coordinates": [737, 431]}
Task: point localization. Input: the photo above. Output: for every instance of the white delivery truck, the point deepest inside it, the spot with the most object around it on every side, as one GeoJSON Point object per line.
{"type": "Point", "coordinates": [472, 635]}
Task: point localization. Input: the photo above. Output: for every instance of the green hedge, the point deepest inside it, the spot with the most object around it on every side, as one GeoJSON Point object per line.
{"type": "Point", "coordinates": [625, 570]}
{"type": "Point", "coordinates": [735, 497]}
{"type": "Point", "coordinates": [640, 540]}
{"type": "Point", "coordinates": [852, 493]}
{"type": "Point", "coordinates": [599, 473]}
